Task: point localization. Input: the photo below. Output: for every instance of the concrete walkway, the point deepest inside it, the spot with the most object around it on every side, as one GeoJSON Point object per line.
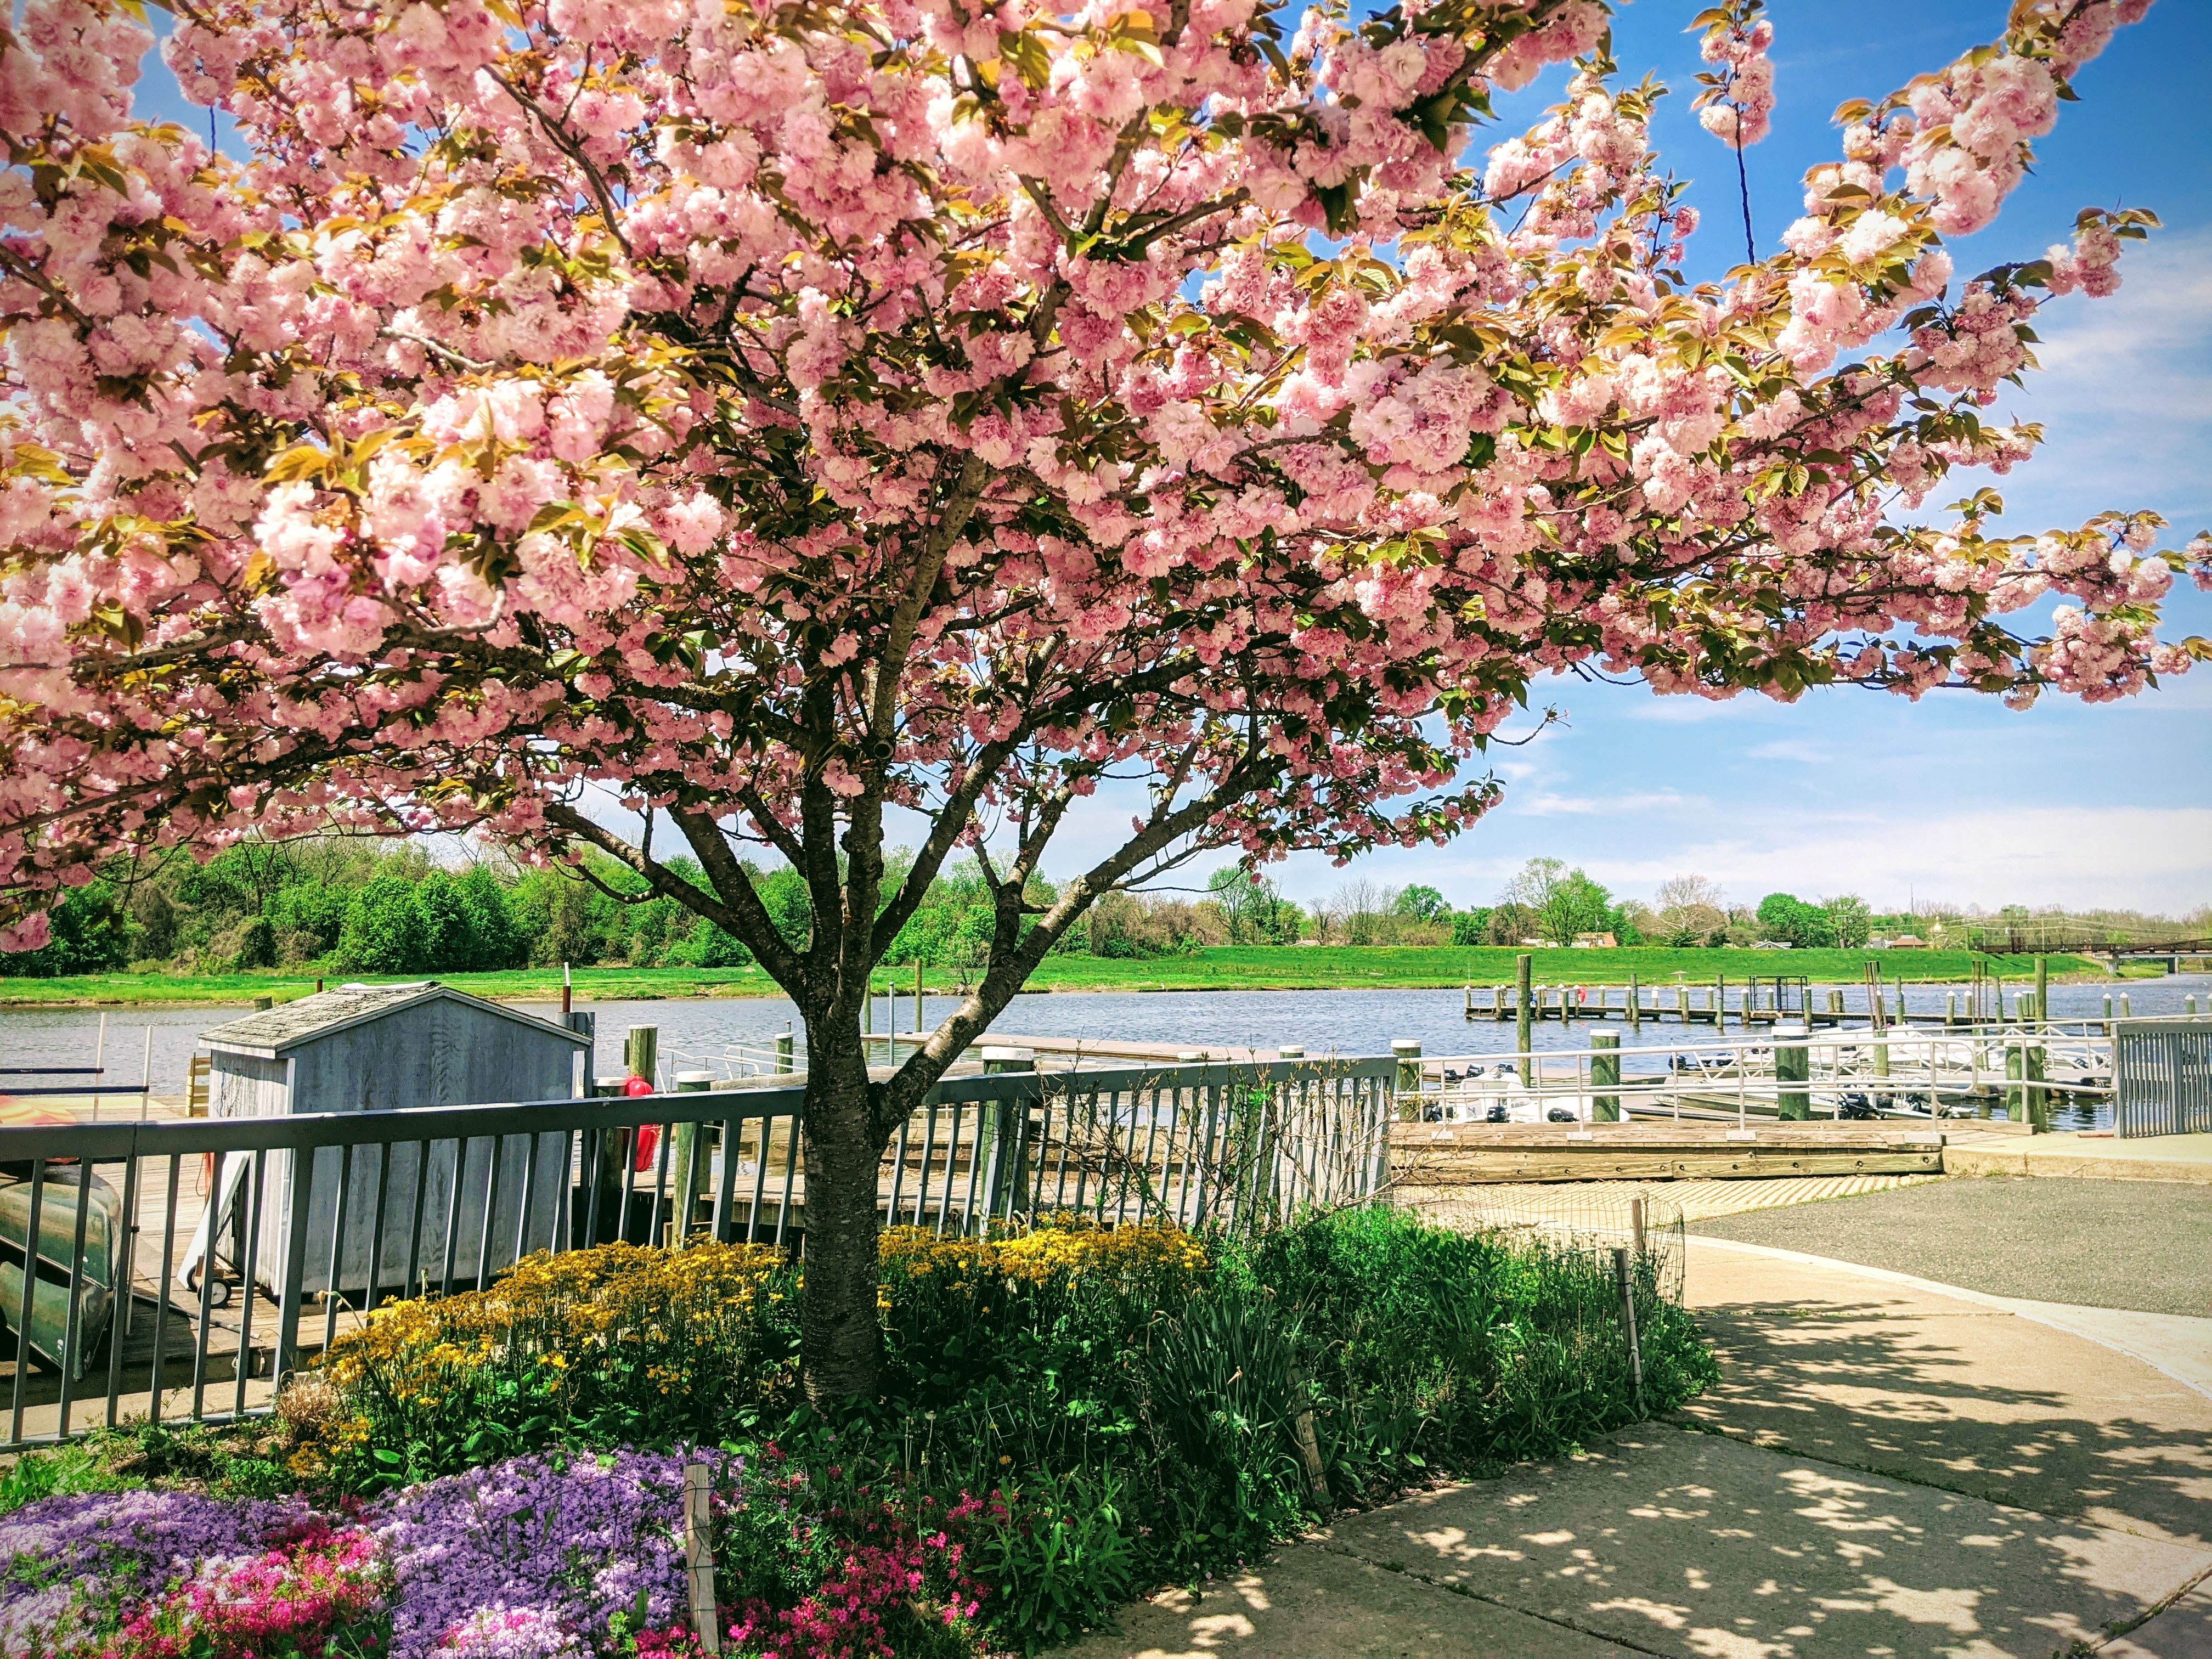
{"type": "Point", "coordinates": [1885, 1468]}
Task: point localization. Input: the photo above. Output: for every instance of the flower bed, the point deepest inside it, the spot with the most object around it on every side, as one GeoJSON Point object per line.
{"type": "Point", "coordinates": [1069, 1417]}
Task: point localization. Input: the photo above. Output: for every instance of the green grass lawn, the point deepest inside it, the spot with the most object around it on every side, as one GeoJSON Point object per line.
{"type": "Point", "coordinates": [1259, 968]}
{"type": "Point", "coordinates": [1331, 967]}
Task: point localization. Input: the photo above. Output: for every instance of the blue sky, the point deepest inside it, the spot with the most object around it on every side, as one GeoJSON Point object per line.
{"type": "Point", "coordinates": [1955, 800]}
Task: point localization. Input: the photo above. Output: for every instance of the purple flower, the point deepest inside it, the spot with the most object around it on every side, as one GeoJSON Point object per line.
{"type": "Point", "coordinates": [77, 1560]}
{"type": "Point", "coordinates": [512, 1633]}
{"type": "Point", "coordinates": [569, 1542]}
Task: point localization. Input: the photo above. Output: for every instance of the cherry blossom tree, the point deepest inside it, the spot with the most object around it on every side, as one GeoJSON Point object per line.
{"type": "Point", "coordinates": [783, 418]}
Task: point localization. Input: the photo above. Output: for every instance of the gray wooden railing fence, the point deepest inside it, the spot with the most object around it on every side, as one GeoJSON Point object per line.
{"type": "Point", "coordinates": [349, 1210]}
{"type": "Point", "coordinates": [2162, 1076]}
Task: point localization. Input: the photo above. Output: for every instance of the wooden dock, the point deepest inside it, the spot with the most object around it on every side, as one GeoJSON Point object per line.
{"type": "Point", "coordinates": [1718, 1004]}
{"type": "Point", "coordinates": [1442, 1155]}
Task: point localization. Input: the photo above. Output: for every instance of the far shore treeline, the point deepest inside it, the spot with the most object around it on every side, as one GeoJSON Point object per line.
{"type": "Point", "coordinates": [333, 906]}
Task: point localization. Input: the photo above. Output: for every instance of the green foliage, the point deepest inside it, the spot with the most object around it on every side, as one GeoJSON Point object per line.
{"type": "Point", "coordinates": [1849, 921]}
{"type": "Point", "coordinates": [90, 935]}
{"type": "Point", "coordinates": [222, 1460]}
{"type": "Point", "coordinates": [1253, 907]}
{"type": "Point", "coordinates": [1784, 916]}
{"type": "Point", "coordinates": [1129, 1406]}
{"type": "Point", "coordinates": [1563, 902]}
{"type": "Point", "coordinates": [1421, 903]}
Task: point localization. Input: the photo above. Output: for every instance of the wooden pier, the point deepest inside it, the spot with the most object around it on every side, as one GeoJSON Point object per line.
{"type": "Point", "coordinates": [1719, 1005]}
{"type": "Point", "coordinates": [1425, 1156]}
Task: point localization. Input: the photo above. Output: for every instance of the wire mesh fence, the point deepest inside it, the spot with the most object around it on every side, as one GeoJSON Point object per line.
{"type": "Point", "coordinates": [1568, 1218]}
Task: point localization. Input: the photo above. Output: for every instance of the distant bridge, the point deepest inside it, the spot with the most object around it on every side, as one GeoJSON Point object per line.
{"type": "Point", "coordinates": [2030, 941]}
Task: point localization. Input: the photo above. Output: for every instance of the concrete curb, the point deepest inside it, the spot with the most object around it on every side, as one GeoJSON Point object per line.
{"type": "Point", "coordinates": [2028, 1159]}
{"type": "Point", "coordinates": [2074, 1321]}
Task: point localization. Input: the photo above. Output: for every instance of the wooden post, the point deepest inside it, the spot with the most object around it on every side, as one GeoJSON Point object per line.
{"type": "Point", "coordinates": [2108, 1013]}
{"type": "Point", "coordinates": [1636, 1224]}
{"type": "Point", "coordinates": [2124, 1014]}
{"type": "Point", "coordinates": [2039, 1097]}
{"type": "Point", "coordinates": [1605, 1070]}
{"type": "Point", "coordinates": [2043, 987]}
{"type": "Point", "coordinates": [1002, 1136]}
{"type": "Point", "coordinates": [687, 1169]}
{"type": "Point", "coordinates": [1635, 1005]}
{"type": "Point", "coordinates": [1793, 1072]}
{"type": "Point", "coordinates": [1683, 1003]}
{"type": "Point", "coordinates": [1720, 1002]}
{"type": "Point", "coordinates": [1628, 1319]}
{"type": "Point", "coordinates": [786, 1053]}
{"type": "Point", "coordinates": [1950, 1009]}
{"type": "Point", "coordinates": [2016, 1095]}
{"type": "Point", "coordinates": [1408, 1052]}
{"type": "Point", "coordinates": [1497, 1004]}
{"type": "Point", "coordinates": [699, 1555]}
{"type": "Point", "coordinates": [1468, 1008]}
{"type": "Point", "coordinates": [642, 1053]}
{"type": "Point", "coordinates": [1524, 967]}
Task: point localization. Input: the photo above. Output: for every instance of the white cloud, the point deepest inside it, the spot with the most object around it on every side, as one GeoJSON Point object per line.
{"type": "Point", "coordinates": [1790, 749]}
{"type": "Point", "coordinates": [2142, 857]}
{"type": "Point", "coordinates": [2124, 392]}
{"type": "Point", "coordinates": [1546, 803]}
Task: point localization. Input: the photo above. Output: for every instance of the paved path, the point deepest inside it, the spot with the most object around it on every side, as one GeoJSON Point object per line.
{"type": "Point", "coordinates": [2145, 1245]}
{"type": "Point", "coordinates": [1884, 1469]}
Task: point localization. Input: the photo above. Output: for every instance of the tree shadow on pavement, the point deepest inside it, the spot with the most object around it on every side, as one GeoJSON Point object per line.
{"type": "Point", "coordinates": [1899, 1391]}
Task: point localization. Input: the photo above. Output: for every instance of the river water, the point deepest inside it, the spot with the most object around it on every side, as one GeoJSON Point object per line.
{"type": "Point", "coordinates": [693, 1030]}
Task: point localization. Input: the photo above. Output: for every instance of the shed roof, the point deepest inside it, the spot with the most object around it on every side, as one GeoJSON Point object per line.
{"type": "Point", "coordinates": [306, 1019]}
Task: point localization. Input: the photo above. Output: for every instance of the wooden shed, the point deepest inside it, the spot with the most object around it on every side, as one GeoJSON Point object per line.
{"type": "Point", "coordinates": [375, 1047]}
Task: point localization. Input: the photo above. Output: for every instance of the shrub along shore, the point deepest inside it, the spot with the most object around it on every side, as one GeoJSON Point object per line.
{"type": "Point", "coordinates": [1223, 967]}
{"type": "Point", "coordinates": [1068, 1418]}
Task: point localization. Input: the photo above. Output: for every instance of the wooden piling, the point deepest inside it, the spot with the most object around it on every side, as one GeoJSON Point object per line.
{"type": "Point", "coordinates": [1498, 1007]}
{"type": "Point", "coordinates": [1524, 968]}
{"type": "Point", "coordinates": [1408, 1052]}
{"type": "Point", "coordinates": [2043, 987]}
{"type": "Point", "coordinates": [1635, 1005]}
{"type": "Point", "coordinates": [1605, 1071]}
{"type": "Point", "coordinates": [1793, 1071]}
{"type": "Point", "coordinates": [641, 1052]}
{"type": "Point", "coordinates": [1720, 1002]}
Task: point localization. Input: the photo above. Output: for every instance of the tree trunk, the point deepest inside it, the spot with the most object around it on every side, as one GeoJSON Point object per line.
{"type": "Point", "coordinates": [840, 1341]}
